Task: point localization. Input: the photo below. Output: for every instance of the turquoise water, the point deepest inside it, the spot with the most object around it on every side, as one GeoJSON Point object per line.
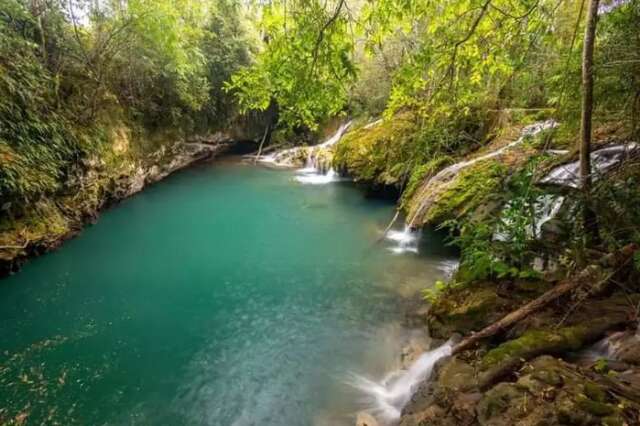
{"type": "Point", "coordinates": [227, 294]}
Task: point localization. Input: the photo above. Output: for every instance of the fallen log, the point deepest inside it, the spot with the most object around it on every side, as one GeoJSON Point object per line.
{"type": "Point", "coordinates": [615, 259]}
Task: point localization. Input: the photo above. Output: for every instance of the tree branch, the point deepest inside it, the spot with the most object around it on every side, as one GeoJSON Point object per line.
{"type": "Point", "coordinates": [326, 26]}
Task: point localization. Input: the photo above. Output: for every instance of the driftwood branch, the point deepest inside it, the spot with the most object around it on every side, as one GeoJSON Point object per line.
{"type": "Point", "coordinates": [617, 258]}
{"type": "Point", "coordinates": [386, 230]}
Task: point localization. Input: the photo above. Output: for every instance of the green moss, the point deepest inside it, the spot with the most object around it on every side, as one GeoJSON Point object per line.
{"type": "Point", "coordinates": [466, 308]}
{"type": "Point", "coordinates": [596, 408]}
{"type": "Point", "coordinates": [468, 191]}
{"type": "Point", "coordinates": [594, 392]}
{"type": "Point", "coordinates": [43, 223]}
{"type": "Point", "coordinates": [614, 420]}
{"type": "Point", "coordinates": [535, 342]}
{"type": "Point", "coordinates": [421, 172]}
{"type": "Point", "coordinates": [383, 154]}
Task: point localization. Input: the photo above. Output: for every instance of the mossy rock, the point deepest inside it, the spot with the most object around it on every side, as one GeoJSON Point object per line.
{"type": "Point", "coordinates": [456, 375]}
{"type": "Point", "coordinates": [469, 308]}
{"type": "Point", "coordinates": [585, 326]}
{"type": "Point", "coordinates": [497, 405]}
{"type": "Point", "coordinates": [41, 225]}
{"type": "Point", "coordinates": [550, 392]}
{"type": "Point", "coordinates": [472, 190]}
{"type": "Point", "coordinates": [382, 154]}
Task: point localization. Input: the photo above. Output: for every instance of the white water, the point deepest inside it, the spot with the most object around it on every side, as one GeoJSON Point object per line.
{"type": "Point", "coordinates": [373, 124]}
{"type": "Point", "coordinates": [610, 347]}
{"type": "Point", "coordinates": [336, 137]}
{"type": "Point", "coordinates": [602, 161]}
{"type": "Point", "coordinates": [406, 241]}
{"type": "Point", "coordinates": [386, 399]}
{"type": "Point", "coordinates": [312, 173]}
{"type": "Point", "coordinates": [531, 130]}
{"type": "Point", "coordinates": [449, 268]}
{"type": "Point", "coordinates": [312, 176]}
{"type": "Point", "coordinates": [545, 208]}
{"type": "Point", "coordinates": [447, 174]}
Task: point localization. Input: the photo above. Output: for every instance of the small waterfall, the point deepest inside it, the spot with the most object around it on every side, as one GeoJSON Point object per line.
{"type": "Point", "coordinates": [313, 177]}
{"type": "Point", "coordinates": [449, 268]}
{"type": "Point", "coordinates": [602, 161]}
{"type": "Point", "coordinates": [315, 171]}
{"type": "Point", "coordinates": [386, 399]}
{"type": "Point", "coordinates": [405, 241]}
{"type": "Point", "coordinates": [447, 175]}
{"type": "Point", "coordinates": [373, 124]}
{"type": "Point", "coordinates": [545, 208]}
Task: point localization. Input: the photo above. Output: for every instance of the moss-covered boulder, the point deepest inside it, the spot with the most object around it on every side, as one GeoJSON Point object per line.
{"type": "Point", "coordinates": [546, 391]}
{"type": "Point", "coordinates": [468, 308]}
{"type": "Point", "coordinates": [470, 189]}
{"type": "Point", "coordinates": [550, 391]}
{"type": "Point", "coordinates": [382, 154]}
{"type": "Point", "coordinates": [559, 335]}
{"type": "Point", "coordinates": [470, 185]}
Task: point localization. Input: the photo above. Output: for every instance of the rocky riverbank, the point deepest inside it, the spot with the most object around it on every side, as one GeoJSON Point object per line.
{"type": "Point", "coordinates": [576, 362]}
{"type": "Point", "coordinates": [511, 206]}
{"type": "Point", "coordinates": [44, 225]}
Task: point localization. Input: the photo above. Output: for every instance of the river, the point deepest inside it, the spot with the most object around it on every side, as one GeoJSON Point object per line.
{"type": "Point", "coordinates": [227, 294]}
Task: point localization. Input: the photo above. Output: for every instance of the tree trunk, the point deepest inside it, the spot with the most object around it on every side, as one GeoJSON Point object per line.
{"type": "Point", "coordinates": [587, 112]}
{"type": "Point", "coordinates": [265, 137]}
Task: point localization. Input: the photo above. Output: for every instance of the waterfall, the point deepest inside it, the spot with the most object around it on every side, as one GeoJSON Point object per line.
{"type": "Point", "coordinates": [448, 174]}
{"type": "Point", "coordinates": [387, 398]}
{"type": "Point", "coordinates": [315, 171]}
{"type": "Point", "coordinates": [545, 208]}
{"type": "Point", "coordinates": [406, 240]}
{"type": "Point", "coordinates": [602, 161]}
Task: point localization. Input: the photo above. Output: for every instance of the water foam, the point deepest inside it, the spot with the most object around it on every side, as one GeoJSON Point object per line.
{"type": "Point", "coordinates": [386, 399]}
{"type": "Point", "coordinates": [406, 241]}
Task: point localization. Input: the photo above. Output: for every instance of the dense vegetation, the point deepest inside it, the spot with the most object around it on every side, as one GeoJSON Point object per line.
{"type": "Point", "coordinates": [450, 78]}
{"type": "Point", "coordinates": [72, 72]}
{"type": "Point", "coordinates": [89, 90]}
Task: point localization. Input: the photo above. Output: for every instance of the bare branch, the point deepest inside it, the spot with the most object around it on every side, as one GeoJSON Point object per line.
{"type": "Point", "coordinates": [326, 26]}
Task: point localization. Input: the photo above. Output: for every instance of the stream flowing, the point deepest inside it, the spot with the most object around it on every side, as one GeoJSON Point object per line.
{"type": "Point", "coordinates": [227, 294]}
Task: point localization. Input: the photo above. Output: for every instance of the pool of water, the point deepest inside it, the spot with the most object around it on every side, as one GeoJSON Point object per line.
{"type": "Point", "coordinates": [227, 294]}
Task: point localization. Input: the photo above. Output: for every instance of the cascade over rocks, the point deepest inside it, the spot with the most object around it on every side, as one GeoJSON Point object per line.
{"type": "Point", "coordinates": [316, 161]}
{"type": "Point", "coordinates": [318, 157]}
{"type": "Point", "coordinates": [434, 189]}
{"type": "Point", "coordinates": [602, 161]}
